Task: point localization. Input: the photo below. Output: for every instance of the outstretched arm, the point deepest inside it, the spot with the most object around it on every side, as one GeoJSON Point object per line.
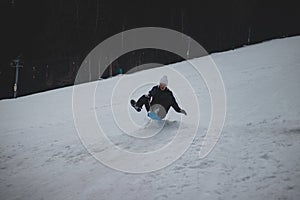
{"type": "Point", "coordinates": [176, 107]}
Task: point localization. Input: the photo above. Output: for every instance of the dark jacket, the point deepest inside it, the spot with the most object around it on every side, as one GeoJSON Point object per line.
{"type": "Point", "coordinates": [164, 98]}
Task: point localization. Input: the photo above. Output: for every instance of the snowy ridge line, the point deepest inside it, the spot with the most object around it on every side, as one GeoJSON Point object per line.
{"type": "Point", "coordinates": [181, 62]}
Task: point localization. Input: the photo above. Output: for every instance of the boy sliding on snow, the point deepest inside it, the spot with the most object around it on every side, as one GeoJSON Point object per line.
{"type": "Point", "coordinates": [158, 100]}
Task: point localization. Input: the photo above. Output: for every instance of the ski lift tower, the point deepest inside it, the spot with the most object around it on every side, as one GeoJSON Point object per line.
{"type": "Point", "coordinates": [16, 64]}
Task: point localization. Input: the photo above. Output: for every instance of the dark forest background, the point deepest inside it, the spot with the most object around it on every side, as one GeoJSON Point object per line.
{"type": "Point", "coordinates": [53, 37]}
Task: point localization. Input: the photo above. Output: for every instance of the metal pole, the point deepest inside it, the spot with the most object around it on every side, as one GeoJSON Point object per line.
{"type": "Point", "coordinates": [16, 80]}
{"type": "Point", "coordinates": [249, 35]}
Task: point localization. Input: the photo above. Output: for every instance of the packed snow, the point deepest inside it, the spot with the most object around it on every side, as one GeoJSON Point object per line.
{"type": "Point", "coordinates": [257, 156]}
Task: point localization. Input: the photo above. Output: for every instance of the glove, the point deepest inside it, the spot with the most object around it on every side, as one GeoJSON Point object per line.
{"type": "Point", "coordinates": [183, 112]}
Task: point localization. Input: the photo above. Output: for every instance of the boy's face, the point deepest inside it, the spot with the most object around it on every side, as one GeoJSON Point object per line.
{"type": "Point", "coordinates": [162, 86]}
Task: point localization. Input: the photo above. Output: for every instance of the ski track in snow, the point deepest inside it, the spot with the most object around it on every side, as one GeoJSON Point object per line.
{"type": "Point", "coordinates": [256, 157]}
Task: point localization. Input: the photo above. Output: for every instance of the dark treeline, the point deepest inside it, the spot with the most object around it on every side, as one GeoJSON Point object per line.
{"type": "Point", "coordinates": [53, 37]}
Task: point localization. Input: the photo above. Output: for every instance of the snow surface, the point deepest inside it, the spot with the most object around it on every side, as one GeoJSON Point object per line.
{"type": "Point", "coordinates": [256, 157]}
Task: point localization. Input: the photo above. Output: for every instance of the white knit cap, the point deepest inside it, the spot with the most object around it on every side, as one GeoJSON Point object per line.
{"type": "Point", "coordinates": [164, 80]}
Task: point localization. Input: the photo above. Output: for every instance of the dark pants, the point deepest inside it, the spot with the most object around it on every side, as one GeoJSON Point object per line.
{"type": "Point", "coordinates": [144, 100]}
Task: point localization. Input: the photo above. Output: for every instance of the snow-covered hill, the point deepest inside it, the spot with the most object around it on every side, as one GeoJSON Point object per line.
{"type": "Point", "coordinates": [256, 157]}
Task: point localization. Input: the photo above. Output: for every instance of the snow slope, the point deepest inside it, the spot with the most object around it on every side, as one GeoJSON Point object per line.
{"type": "Point", "coordinates": [256, 157]}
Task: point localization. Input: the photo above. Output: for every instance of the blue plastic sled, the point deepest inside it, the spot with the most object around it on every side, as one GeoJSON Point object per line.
{"type": "Point", "coordinates": [153, 116]}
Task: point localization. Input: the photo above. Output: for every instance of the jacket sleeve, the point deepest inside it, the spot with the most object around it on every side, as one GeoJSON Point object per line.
{"type": "Point", "coordinates": [175, 104]}
{"type": "Point", "coordinates": [152, 92]}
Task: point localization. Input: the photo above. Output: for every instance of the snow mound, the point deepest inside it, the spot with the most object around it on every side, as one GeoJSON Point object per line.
{"type": "Point", "coordinates": [257, 156]}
